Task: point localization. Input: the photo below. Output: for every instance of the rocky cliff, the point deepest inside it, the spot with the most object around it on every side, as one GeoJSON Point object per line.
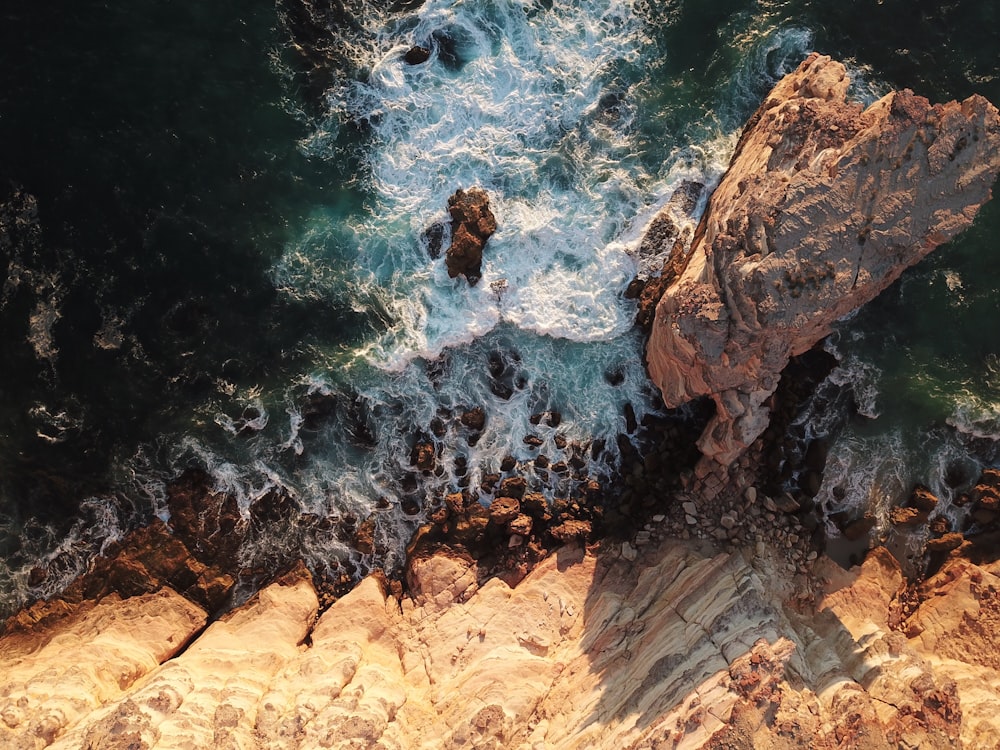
{"type": "Point", "coordinates": [824, 205]}
{"type": "Point", "coordinates": [684, 647]}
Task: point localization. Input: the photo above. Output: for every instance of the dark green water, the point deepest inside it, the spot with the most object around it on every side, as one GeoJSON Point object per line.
{"type": "Point", "coordinates": [160, 143]}
{"type": "Point", "coordinates": [213, 231]}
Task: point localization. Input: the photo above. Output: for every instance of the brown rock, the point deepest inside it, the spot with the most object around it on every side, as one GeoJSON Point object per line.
{"type": "Point", "coordinates": [990, 477]}
{"type": "Point", "coordinates": [364, 539]}
{"type": "Point", "coordinates": [786, 503]}
{"type": "Point", "coordinates": [474, 419]}
{"type": "Point", "coordinates": [591, 490]}
{"type": "Point", "coordinates": [857, 529]}
{"type": "Point", "coordinates": [146, 561]}
{"type": "Point", "coordinates": [456, 502]}
{"type": "Point", "coordinates": [208, 523]}
{"type": "Point", "coordinates": [812, 482]}
{"type": "Point", "coordinates": [634, 289]}
{"type": "Point", "coordinates": [472, 224]}
{"type": "Point", "coordinates": [468, 529]}
{"type": "Point", "coordinates": [416, 55]}
{"type": "Point", "coordinates": [816, 454]}
{"type": "Point", "coordinates": [823, 206]}
{"type": "Point", "coordinates": [728, 656]}
{"type": "Point", "coordinates": [504, 509]}
{"type": "Point", "coordinates": [534, 502]}
{"type": "Point", "coordinates": [512, 487]}
{"type": "Point", "coordinates": [275, 506]}
{"type": "Point", "coordinates": [940, 525]}
{"type": "Point", "coordinates": [984, 516]}
{"type": "Point", "coordinates": [948, 542]}
{"type": "Point", "coordinates": [666, 241]}
{"type": "Point", "coordinates": [521, 525]}
{"type": "Point", "coordinates": [571, 530]}
{"type": "Point", "coordinates": [986, 497]}
{"type": "Point", "coordinates": [489, 481]}
{"type": "Point", "coordinates": [907, 516]}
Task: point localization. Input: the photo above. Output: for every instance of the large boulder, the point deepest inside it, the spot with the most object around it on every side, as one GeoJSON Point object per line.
{"type": "Point", "coordinates": [824, 205]}
{"type": "Point", "coordinates": [472, 223]}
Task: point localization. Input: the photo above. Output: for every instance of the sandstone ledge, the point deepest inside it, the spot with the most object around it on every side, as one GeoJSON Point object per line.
{"type": "Point", "coordinates": [684, 647]}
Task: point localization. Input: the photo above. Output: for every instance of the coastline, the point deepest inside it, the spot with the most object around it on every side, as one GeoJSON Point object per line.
{"type": "Point", "coordinates": [690, 602]}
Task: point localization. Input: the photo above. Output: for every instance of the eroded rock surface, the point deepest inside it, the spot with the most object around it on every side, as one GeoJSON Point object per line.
{"type": "Point", "coordinates": [824, 205]}
{"type": "Point", "coordinates": [682, 648]}
{"type": "Point", "coordinates": [472, 223]}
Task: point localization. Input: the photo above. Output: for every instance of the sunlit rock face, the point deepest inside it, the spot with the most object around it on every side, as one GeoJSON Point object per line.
{"type": "Point", "coordinates": [680, 648]}
{"type": "Point", "coordinates": [824, 205]}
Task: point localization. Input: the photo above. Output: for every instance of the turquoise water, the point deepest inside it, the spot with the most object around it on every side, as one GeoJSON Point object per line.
{"type": "Point", "coordinates": [224, 244]}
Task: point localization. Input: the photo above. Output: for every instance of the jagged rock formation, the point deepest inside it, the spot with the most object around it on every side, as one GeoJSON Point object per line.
{"type": "Point", "coordinates": [684, 648]}
{"type": "Point", "coordinates": [472, 223]}
{"type": "Point", "coordinates": [823, 206]}
{"type": "Point", "coordinates": [662, 253]}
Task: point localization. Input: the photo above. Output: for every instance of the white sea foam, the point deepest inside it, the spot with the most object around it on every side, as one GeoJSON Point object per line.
{"type": "Point", "coordinates": [855, 372]}
{"type": "Point", "coordinates": [976, 416]}
{"type": "Point", "coordinates": [521, 116]}
{"type": "Point", "coordinates": [864, 475]}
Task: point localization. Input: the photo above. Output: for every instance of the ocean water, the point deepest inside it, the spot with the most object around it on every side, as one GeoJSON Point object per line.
{"type": "Point", "coordinates": [227, 246]}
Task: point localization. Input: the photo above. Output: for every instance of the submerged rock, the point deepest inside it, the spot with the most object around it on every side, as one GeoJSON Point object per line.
{"type": "Point", "coordinates": [824, 205]}
{"type": "Point", "coordinates": [416, 55]}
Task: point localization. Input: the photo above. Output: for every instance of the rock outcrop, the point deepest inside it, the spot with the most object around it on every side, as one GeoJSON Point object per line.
{"type": "Point", "coordinates": [682, 648]}
{"type": "Point", "coordinates": [472, 223]}
{"type": "Point", "coordinates": [824, 205]}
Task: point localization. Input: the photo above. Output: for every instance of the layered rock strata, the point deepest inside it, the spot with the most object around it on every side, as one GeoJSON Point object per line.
{"type": "Point", "coordinates": [683, 648]}
{"type": "Point", "coordinates": [824, 205]}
